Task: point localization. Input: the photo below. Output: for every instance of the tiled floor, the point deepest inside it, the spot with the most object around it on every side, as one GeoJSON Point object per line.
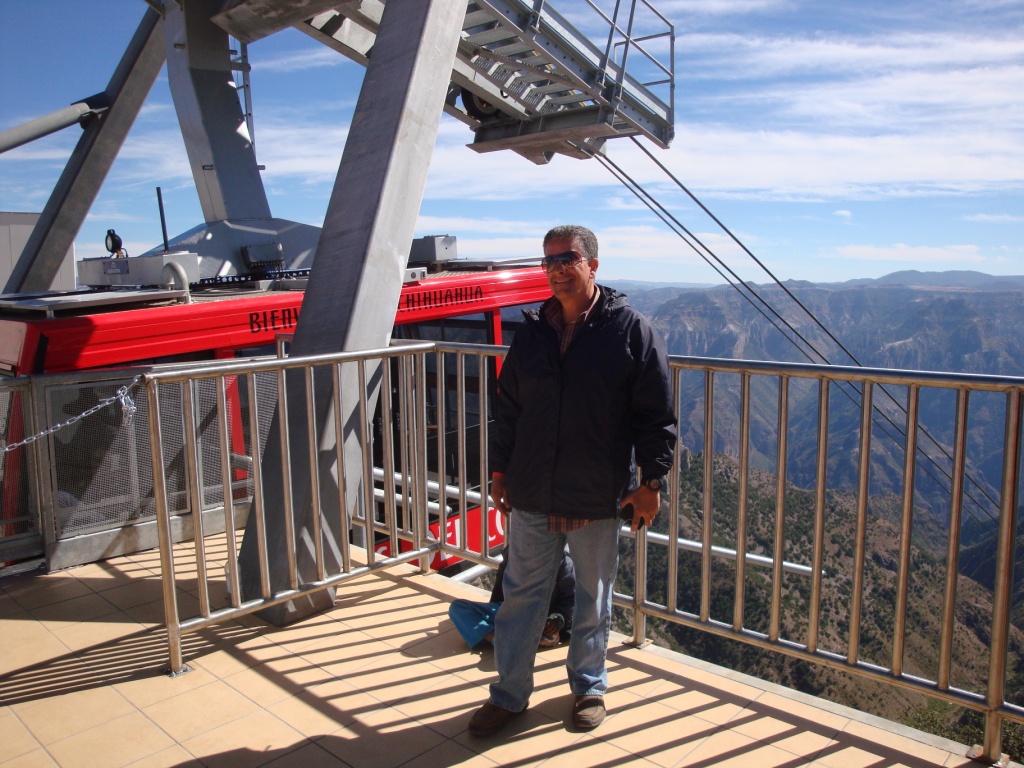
{"type": "Point", "coordinates": [381, 680]}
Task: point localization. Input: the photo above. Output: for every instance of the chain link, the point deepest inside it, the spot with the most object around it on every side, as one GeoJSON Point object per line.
{"type": "Point", "coordinates": [128, 409]}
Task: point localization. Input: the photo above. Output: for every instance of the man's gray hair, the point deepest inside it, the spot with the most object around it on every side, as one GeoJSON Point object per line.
{"type": "Point", "coordinates": [586, 239]}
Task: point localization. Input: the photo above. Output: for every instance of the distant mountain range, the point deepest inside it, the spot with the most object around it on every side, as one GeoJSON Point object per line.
{"type": "Point", "coordinates": [964, 279]}
{"type": "Point", "coordinates": [958, 322]}
{"type": "Point", "coordinates": [977, 281]}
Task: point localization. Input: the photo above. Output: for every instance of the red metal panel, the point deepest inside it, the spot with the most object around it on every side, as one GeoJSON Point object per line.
{"type": "Point", "coordinates": [109, 339]}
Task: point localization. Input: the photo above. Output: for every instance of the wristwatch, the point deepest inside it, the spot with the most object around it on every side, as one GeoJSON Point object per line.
{"type": "Point", "coordinates": [653, 483]}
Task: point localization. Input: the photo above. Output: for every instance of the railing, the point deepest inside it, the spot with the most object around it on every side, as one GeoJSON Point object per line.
{"type": "Point", "coordinates": [741, 424]}
{"type": "Point", "coordinates": [859, 386]}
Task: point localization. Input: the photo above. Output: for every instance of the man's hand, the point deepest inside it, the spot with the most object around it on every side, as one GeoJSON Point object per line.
{"type": "Point", "coordinates": [500, 495]}
{"type": "Point", "coordinates": [646, 504]}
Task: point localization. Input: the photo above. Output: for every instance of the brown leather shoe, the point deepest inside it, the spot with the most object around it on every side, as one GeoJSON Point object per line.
{"type": "Point", "coordinates": [490, 719]}
{"type": "Point", "coordinates": [588, 712]}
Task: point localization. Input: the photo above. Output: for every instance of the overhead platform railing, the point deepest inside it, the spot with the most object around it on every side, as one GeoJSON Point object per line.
{"type": "Point", "coordinates": [526, 78]}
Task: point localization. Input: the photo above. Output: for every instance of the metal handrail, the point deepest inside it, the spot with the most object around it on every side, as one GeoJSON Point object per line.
{"type": "Point", "coordinates": [414, 489]}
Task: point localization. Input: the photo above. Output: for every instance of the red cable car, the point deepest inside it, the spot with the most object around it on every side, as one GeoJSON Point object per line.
{"type": "Point", "coordinates": [129, 327]}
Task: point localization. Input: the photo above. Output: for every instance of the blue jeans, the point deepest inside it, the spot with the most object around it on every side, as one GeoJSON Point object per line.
{"type": "Point", "coordinates": [529, 579]}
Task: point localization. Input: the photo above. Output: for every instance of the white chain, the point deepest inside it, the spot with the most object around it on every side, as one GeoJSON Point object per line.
{"type": "Point", "coordinates": [128, 409]}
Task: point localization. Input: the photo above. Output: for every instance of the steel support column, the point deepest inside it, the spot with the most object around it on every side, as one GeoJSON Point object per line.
{"type": "Point", "coordinates": [360, 260]}
{"type": "Point", "coordinates": [217, 140]}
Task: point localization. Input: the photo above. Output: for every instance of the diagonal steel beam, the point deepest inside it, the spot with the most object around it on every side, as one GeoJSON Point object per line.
{"type": "Point", "coordinates": [103, 135]}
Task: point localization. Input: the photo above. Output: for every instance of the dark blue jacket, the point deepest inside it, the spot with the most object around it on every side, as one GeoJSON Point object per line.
{"type": "Point", "coordinates": [570, 431]}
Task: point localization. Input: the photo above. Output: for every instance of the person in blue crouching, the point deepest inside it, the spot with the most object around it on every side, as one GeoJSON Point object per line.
{"type": "Point", "coordinates": [475, 620]}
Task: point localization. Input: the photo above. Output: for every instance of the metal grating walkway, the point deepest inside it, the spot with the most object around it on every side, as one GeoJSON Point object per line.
{"type": "Point", "coordinates": [529, 80]}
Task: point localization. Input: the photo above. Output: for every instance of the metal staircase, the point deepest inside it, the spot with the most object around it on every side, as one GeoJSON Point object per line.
{"type": "Point", "coordinates": [527, 79]}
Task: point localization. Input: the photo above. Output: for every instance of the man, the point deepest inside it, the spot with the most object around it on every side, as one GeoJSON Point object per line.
{"type": "Point", "coordinates": [583, 402]}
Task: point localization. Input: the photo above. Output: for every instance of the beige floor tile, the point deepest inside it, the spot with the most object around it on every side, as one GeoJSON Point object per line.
{"type": "Point", "coordinates": [589, 751]}
{"type": "Point", "coordinates": [224, 659]}
{"type": "Point", "coordinates": [446, 706]}
{"type": "Point", "coordinates": [58, 717]}
{"type": "Point", "coordinates": [449, 753]}
{"type": "Point", "coordinates": [373, 615]}
{"type": "Point", "coordinates": [793, 708]}
{"type": "Point", "coordinates": [380, 588]}
{"type": "Point", "coordinates": [309, 756]}
{"type": "Point", "coordinates": [707, 706]}
{"type": "Point", "coordinates": [88, 607]}
{"type": "Point", "coordinates": [59, 675]}
{"type": "Point", "coordinates": [199, 710]}
{"type": "Point", "coordinates": [105, 575]}
{"type": "Point", "coordinates": [554, 700]}
{"type": "Point", "coordinates": [172, 757]}
{"type": "Point", "coordinates": [47, 590]}
{"type": "Point", "coordinates": [323, 709]}
{"type": "Point", "coordinates": [301, 635]}
{"type": "Point", "coordinates": [449, 653]}
{"type": "Point", "coordinates": [20, 657]}
{"type": "Point", "coordinates": [762, 726]}
{"type": "Point", "coordinates": [275, 680]}
{"type": "Point", "coordinates": [444, 647]}
{"type": "Point", "coordinates": [345, 655]}
{"type": "Point", "coordinates": [100, 631]}
{"type": "Point", "coordinates": [151, 686]}
{"type": "Point", "coordinates": [639, 679]}
{"type": "Point", "coordinates": [38, 758]}
{"type": "Point", "coordinates": [249, 741]}
{"type": "Point", "coordinates": [382, 738]}
{"type": "Point", "coordinates": [8, 605]}
{"type": "Point", "coordinates": [403, 628]}
{"type": "Point", "coordinates": [724, 747]}
{"type": "Point", "coordinates": [841, 755]}
{"type": "Point", "coordinates": [757, 753]}
{"type": "Point", "coordinates": [699, 678]}
{"type": "Point", "coordinates": [149, 615]}
{"type": "Point", "coordinates": [528, 740]}
{"type": "Point", "coordinates": [114, 744]}
{"type": "Point", "coordinates": [340, 646]}
{"type": "Point", "coordinates": [136, 592]}
{"type": "Point", "coordinates": [389, 679]}
{"type": "Point", "coordinates": [960, 761]}
{"type": "Point", "coordinates": [649, 730]}
{"type": "Point", "coordinates": [19, 629]}
{"type": "Point", "coordinates": [323, 679]}
{"type": "Point", "coordinates": [894, 742]}
{"type": "Point", "coordinates": [806, 744]}
{"type": "Point", "coordinates": [800, 737]}
{"type": "Point", "coordinates": [15, 738]}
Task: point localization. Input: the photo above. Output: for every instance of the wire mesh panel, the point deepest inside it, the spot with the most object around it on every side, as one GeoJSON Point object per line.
{"type": "Point", "coordinates": [101, 477]}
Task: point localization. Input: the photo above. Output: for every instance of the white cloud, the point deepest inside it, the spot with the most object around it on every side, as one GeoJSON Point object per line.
{"type": "Point", "coordinates": [484, 226]}
{"type": "Point", "coordinates": [994, 218]}
{"type": "Point", "coordinates": [298, 61]}
{"type": "Point", "coordinates": [783, 165]}
{"type": "Point", "coordinates": [911, 254]}
{"type": "Point", "coordinates": [682, 9]}
{"type": "Point", "coordinates": [847, 215]}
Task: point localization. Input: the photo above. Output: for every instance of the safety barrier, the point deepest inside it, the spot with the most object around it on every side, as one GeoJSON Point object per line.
{"type": "Point", "coordinates": [416, 494]}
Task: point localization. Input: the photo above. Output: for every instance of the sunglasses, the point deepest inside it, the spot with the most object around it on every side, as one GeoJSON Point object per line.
{"type": "Point", "coordinates": [564, 260]}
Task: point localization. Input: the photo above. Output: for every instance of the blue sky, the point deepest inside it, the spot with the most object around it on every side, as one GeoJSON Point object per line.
{"type": "Point", "coordinates": [836, 140]}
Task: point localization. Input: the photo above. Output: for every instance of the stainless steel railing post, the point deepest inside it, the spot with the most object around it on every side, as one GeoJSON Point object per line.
{"type": "Point", "coordinates": [163, 523]}
{"type": "Point", "coordinates": [1003, 593]}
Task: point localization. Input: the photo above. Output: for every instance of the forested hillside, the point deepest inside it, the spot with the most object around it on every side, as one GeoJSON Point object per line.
{"type": "Point", "coordinates": [924, 610]}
